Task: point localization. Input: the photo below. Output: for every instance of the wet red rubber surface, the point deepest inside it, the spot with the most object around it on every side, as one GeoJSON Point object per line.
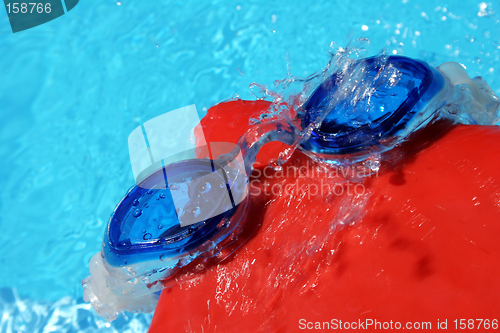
{"type": "Point", "coordinates": [424, 248]}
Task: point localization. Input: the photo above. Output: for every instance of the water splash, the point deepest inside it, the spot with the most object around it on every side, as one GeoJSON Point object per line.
{"type": "Point", "coordinates": [282, 121]}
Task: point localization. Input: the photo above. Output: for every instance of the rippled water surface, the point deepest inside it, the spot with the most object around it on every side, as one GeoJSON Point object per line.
{"type": "Point", "coordinates": [73, 89]}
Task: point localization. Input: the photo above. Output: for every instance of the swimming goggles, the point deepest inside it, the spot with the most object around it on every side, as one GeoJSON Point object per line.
{"type": "Point", "coordinates": [190, 209]}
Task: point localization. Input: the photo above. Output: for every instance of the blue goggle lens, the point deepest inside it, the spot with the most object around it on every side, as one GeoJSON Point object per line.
{"type": "Point", "coordinates": [387, 95]}
{"type": "Point", "coordinates": [146, 224]}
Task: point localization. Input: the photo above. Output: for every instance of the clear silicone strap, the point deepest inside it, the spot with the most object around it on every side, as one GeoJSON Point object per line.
{"type": "Point", "coordinates": [472, 100]}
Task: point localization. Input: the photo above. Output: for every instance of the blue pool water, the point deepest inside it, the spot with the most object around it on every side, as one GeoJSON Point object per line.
{"type": "Point", "coordinates": [73, 89]}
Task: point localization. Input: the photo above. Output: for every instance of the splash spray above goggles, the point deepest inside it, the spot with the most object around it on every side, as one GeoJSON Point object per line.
{"type": "Point", "coordinates": [190, 198]}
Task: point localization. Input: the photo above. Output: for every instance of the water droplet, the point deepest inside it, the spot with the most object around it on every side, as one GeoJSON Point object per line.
{"type": "Point", "coordinates": [147, 236]}
{"type": "Point", "coordinates": [137, 213]}
{"type": "Point", "coordinates": [374, 165]}
{"type": "Point", "coordinates": [197, 211]}
{"type": "Point", "coordinates": [222, 185]}
{"type": "Point", "coordinates": [174, 187]}
{"type": "Point", "coordinates": [135, 203]}
{"type": "Point", "coordinates": [275, 165]}
{"type": "Point", "coordinates": [160, 226]}
{"type": "Point", "coordinates": [223, 224]}
{"type": "Point", "coordinates": [204, 188]}
{"type": "Point", "coordinates": [149, 192]}
{"type": "Point", "coordinates": [161, 196]}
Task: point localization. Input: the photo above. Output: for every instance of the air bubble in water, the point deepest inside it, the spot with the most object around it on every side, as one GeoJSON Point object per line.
{"type": "Point", "coordinates": [147, 236]}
